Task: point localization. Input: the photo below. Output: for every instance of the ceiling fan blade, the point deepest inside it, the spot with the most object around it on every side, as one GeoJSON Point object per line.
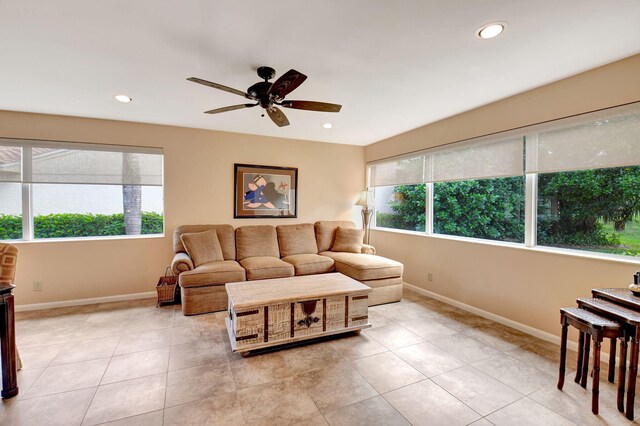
{"type": "Point", "coordinates": [278, 116]}
{"type": "Point", "coordinates": [286, 84]}
{"type": "Point", "coordinates": [229, 108]}
{"type": "Point", "coordinates": [219, 87]}
{"type": "Point", "coordinates": [312, 106]}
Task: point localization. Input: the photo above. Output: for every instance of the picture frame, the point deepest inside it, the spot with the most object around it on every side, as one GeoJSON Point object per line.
{"type": "Point", "coordinates": [265, 191]}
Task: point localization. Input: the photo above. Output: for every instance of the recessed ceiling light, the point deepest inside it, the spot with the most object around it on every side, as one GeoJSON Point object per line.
{"type": "Point", "coordinates": [123, 98]}
{"type": "Point", "coordinates": [327, 125]}
{"type": "Point", "coordinates": [490, 30]}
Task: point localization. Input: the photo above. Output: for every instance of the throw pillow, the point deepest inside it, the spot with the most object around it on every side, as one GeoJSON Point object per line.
{"type": "Point", "coordinates": [348, 239]}
{"type": "Point", "coordinates": [203, 247]}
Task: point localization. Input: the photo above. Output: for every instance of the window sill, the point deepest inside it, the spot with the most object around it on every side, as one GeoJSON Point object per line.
{"type": "Point", "coordinates": [519, 246]}
{"type": "Point", "coordinates": [85, 239]}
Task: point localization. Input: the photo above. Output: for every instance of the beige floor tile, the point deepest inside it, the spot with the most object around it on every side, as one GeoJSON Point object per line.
{"type": "Point", "coordinates": [90, 332]}
{"type": "Point", "coordinates": [282, 402]}
{"type": "Point", "coordinates": [144, 341]}
{"type": "Point", "coordinates": [26, 378]}
{"type": "Point", "coordinates": [154, 321]}
{"type": "Point", "coordinates": [318, 420]}
{"type": "Point", "coordinates": [479, 391]}
{"type": "Point", "coordinates": [200, 334]}
{"type": "Point", "coordinates": [429, 359]}
{"type": "Point", "coordinates": [336, 386]}
{"type": "Point", "coordinates": [259, 369]}
{"type": "Point", "coordinates": [497, 338]}
{"type": "Point", "coordinates": [393, 336]}
{"type": "Point", "coordinates": [68, 377]}
{"type": "Point", "coordinates": [517, 374]}
{"type": "Point", "coordinates": [386, 372]}
{"type": "Point", "coordinates": [222, 409]}
{"type": "Point", "coordinates": [481, 422]}
{"type": "Point", "coordinates": [194, 354]}
{"type": "Point", "coordinates": [86, 350]}
{"type": "Point", "coordinates": [574, 403]}
{"type": "Point", "coordinates": [544, 356]}
{"type": "Point", "coordinates": [137, 364]}
{"type": "Point", "coordinates": [465, 348]}
{"type": "Point", "coordinates": [427, 329]}
{"type": "Point", "coordinates": [62, 409]}
{"type": "Point", "coordinates": [527, 412]}
{"type": "Point", "coordinates": [148, 419]}
{"type": "Point", "coordinates": [39, 356]}
{"type": "Point", "coordinates": [309, 357]}
{"type": "Point", "coordinates": [425, 403]}
{"type": "Point", "coordinates": [125, 399]}
{"type": "Point", "coordinates": [377, 319]}
{"type": "Point", "coordinates": [370, 412]}
{"type": "Point", "coordinates": [43, 336]}
{"type": "Point", "coordinates": [356, 346]}
{"type": "Point", "coordinates": [195, 383]}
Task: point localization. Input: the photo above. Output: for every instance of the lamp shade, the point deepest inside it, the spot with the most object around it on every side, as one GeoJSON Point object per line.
{"type": "Point", "coordinates": [366, 199]}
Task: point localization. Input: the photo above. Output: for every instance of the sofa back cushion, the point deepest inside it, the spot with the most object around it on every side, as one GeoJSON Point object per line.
{"type": "Point", "coordinates": [296, 239]}
{"type": "Point", "coordinates": [225, 234]}
{"type": "Point", "coordinates": [348, 240]}
{"type": "Point", "coordinates": [257, 240]}
{"type": "Point", "coordinates": [326, 232]}
{"type": "Point", "coordinates": [203, 247]}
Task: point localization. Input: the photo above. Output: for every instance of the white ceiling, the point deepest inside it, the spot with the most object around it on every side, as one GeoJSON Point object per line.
{"type": "Point", "coordinates": [393, 65]}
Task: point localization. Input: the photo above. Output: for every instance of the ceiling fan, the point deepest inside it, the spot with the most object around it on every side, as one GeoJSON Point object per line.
{"type": "Point", "coordinates": [271, 95]}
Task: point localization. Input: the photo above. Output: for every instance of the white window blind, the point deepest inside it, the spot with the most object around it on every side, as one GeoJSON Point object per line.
{"type": "Point", "coordinates": [479, 159]}
{"type": "Point", "coordinates": [399, 171]}
{"type": "Point", "coordinates": [602, 139]}
{"type": "Point", "coordinates": [10, 160]}
{"type": "Point", "coordinates": [70, 163]}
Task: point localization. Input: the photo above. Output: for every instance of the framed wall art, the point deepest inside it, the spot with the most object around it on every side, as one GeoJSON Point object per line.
{"type": "Point", "coordinates": [265, 191]}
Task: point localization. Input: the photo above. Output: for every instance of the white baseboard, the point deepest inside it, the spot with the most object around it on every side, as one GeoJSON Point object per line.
{"type": "Point", "coordinates": [497, 318]}
{"type": "Point", "coordinates": [79, 302]}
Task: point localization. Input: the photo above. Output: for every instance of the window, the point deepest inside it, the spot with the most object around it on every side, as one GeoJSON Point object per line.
{"type": "Point", "coordinates": [79, 190]}
{"type": "Point", "coordinates": [573, 183]}
{"type": "Point", "coordinates": [492, 209]}
{"type": "Point", "coordinates": [401, 207]}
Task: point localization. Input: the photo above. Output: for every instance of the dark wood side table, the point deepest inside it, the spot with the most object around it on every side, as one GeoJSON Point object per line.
{"type": "Point", "coordinates": [8, 342]}
{"type": "Point", "coordinates": [624, 297]}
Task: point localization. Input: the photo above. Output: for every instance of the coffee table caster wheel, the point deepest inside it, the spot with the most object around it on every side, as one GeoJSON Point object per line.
{"type": "Point", "coordinates": [245, 354]}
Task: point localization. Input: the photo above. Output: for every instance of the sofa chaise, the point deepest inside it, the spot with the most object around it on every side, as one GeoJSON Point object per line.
{"type": "Point", "coordinates": [263, 251]}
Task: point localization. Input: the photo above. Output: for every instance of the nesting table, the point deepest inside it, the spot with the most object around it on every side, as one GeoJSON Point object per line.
{"type": "Point", "coordinates": [622, 305]}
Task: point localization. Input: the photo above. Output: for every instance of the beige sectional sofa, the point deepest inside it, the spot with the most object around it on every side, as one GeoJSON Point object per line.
{"type": "Point", "coordinates": [263, 251]}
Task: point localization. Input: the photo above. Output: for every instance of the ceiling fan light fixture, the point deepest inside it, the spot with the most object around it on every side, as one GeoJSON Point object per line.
{"type": "Point", "coordinates": [491, 30]}
{"type": "Point", "coordinates": [123, 98]}
{"type": "Point", "coordinates": [327, 125]}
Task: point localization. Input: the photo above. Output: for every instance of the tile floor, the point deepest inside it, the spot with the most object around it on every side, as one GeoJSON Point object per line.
{"type": "Point", "coordinates": [423, 363]}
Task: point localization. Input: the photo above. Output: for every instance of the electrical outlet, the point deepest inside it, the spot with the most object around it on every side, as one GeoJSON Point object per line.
{"type": "Point", "coordinates": [37, 286]}
{"type": "Point", "coordinates": [430, 276]}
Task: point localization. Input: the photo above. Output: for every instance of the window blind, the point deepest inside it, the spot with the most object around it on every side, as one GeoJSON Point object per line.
{"type": "Point", "coordinates": [602, 139]}
{"type": "Point", "coordinates": [70, 163]}
{"type": "Point", "coordinates": [407, 170]}
{"type": "Point", "coordinates": [478, 159]}
{"type": "Point", "coordinates": [10, 163]}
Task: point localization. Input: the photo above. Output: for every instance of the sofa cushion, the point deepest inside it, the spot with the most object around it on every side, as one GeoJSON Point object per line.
{"type": "Point", "coordinates": [348, 240]}
{"type": "Point", "coordinates": [202, 247]}
{"type": "Point", "coordinates": [265, 267]}
{"type": "Point", "coordinates": [364, 267]}
{"type": "Point", "coordinates": [256, 241]}
{"type": "Point", "coordinates": [225, 233]}
{"type": "Point", "coordinates": [296, 239]}
{"type": "Point", "coordinates": [213, 273]}
{"type": "Point", "coordinates": [326, 232]}
{"type": "Point", "coordinates": [309, 264]}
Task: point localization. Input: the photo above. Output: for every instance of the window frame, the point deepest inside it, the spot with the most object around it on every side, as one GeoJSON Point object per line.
{"type": "Point", "coordinates": [26, 164]}
{"type": "Point", "coordinates": [530, 208]}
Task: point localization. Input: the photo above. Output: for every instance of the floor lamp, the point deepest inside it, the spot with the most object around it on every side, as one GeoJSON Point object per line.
{"type": "Point", "coordinates": [366, 201]}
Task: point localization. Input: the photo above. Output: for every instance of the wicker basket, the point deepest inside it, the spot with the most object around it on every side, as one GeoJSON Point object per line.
{"type": "Point", "coordinates": [166, 287]}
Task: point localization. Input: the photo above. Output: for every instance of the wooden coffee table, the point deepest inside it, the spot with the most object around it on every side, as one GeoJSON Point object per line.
{"type": "Point", "coordinates": [267, 313]}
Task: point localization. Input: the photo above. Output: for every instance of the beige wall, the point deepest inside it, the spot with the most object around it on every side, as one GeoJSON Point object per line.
{"type": "Point", "coordinates": [198, 189]}
{"type": "Point", "coordinates": [524, 285]}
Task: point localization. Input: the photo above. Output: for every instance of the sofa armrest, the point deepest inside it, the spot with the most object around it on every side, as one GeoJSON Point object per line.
{"type": "Point", "coordinates": [367, 249]}
{"type": "Point", "coordinates": [181, 263]}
